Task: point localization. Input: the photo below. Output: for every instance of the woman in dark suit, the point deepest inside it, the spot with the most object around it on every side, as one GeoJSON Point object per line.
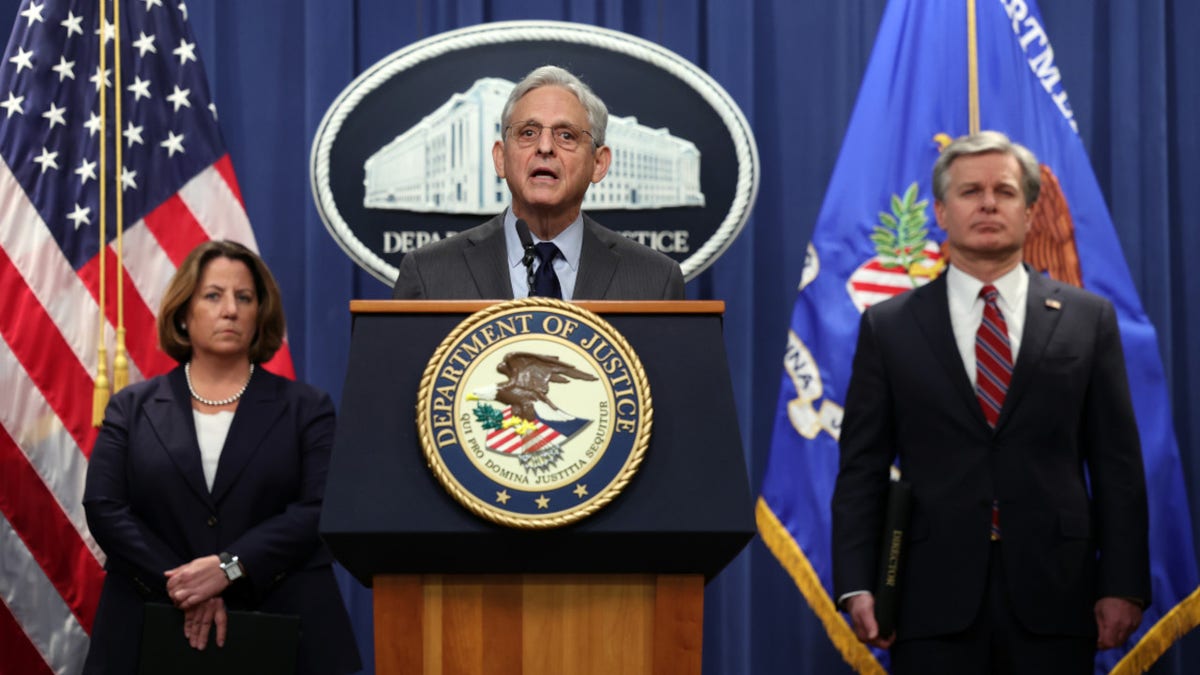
{"type": "Point", "coordinates": [205, 484]}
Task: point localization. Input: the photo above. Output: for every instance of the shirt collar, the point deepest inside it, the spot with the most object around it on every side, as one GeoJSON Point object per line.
{"type": "Point", "coordinates": [964, 289]}
{"type": "Point", "coordinates": [569, 241]}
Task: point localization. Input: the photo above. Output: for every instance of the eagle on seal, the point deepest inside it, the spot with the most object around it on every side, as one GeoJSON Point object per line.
{"type": "Point", "coordinates": [529, 377]}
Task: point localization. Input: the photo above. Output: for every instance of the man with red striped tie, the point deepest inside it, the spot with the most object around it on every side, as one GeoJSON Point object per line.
{"type": "Point", "coordinates": [1003, 396]}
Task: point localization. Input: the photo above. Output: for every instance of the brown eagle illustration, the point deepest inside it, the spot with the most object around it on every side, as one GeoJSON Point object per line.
{"type": "Point", "coordinates": [529, 377]}
{"type": "Point", "coordinates": [1050, 245]}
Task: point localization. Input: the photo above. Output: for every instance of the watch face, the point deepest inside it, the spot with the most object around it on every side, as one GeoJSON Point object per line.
{"type": "Point", "coordinates": [232, 569]}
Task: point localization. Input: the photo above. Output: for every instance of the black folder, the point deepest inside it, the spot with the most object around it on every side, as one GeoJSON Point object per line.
{"type": "Point", "coordinates": [891, 550]}
{"type": "Point", "coordinates": [255, 643]}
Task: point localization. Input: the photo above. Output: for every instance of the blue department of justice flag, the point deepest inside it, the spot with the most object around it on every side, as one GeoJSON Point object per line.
{"type": "Point", "coordinates": [875, 238]}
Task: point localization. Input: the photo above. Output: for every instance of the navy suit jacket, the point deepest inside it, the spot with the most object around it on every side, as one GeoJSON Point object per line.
{"type": "Point", "coordinates": [1067, 419]}
{"type": "Point", "coordinates": [472, 265]}
{"type": "Point", "coordinates": [150, 510]}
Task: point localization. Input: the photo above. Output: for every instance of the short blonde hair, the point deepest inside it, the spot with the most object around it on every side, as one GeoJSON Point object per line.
{"type": "Point", "coordinates": [268, 334]}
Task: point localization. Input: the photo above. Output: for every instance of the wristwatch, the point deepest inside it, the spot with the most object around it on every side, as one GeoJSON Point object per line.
{"type": "Point", "coordinates": [232, 567]}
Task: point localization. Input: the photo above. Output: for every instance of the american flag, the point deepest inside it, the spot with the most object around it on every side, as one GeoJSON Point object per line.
{"type": "Point", "coordinates": [179, 190]}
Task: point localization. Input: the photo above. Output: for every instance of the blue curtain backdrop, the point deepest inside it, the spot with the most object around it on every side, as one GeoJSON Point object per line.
{"type": "Point", "coordinates": [794, 66]}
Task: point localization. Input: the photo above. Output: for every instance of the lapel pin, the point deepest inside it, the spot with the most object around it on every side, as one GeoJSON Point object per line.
{"type": "Point", "coordinates": [1053, 304]}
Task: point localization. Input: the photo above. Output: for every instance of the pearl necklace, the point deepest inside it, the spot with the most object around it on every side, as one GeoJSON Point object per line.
{"type": "Point", "coordinates": [187, 373]}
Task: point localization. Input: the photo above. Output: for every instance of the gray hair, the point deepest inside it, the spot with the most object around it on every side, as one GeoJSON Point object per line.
{"type": "Point", "coordinates": [553, 76]}
{"type": "Point", "coordinates": [982, 143]}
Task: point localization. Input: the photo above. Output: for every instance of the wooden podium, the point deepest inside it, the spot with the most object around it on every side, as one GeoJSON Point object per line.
{"type": "Point", "coordinates": [552, 624]}
{"type": "Point", "coordinates": [620, 592]}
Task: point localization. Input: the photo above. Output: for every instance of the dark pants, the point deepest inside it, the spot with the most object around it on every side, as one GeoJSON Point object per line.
{"type": "Point", "coordinates": [995, 643]}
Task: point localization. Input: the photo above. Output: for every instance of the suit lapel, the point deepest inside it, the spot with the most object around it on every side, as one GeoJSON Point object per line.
{"type": "Point", "coordinates": [258, 411]}
{"type": "Point", "coordinates": [1041, 318]}
{"type": "Point", "coordinates": [487, 259]}
{"type": "Point", "coordinates": [169, 412]}
{"type": "Point", "coordinates": [932, 307]}
{"type": "Point", "coordinates": [597, 265]}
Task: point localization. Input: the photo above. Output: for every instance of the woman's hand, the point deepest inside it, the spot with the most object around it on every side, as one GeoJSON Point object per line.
{"type": "Point", "coordinates": [193, 583]}
{"type": "Point", "coordinates": [197, 620]}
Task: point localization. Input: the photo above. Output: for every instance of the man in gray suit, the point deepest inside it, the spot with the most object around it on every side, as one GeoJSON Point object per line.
{"type": "Point", "coordinates": [551, 151]}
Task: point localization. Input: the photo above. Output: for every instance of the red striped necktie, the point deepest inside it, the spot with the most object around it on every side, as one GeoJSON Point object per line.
{"type": "Point", "coordinates": [993, 357]}
{"type": "Point", "coordinates": [993, 370]}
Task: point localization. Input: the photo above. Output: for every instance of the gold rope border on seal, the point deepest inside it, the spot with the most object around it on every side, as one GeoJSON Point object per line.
{"type": "Point", "coordinates": [632, 463]}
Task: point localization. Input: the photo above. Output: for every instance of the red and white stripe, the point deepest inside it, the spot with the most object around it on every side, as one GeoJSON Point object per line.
{"type": "Point", "coordinates": [50, 566]}
{"type": "Point", "coordinates": [873, 281]}
{"type": "Point", "coordinates": [508, 441]}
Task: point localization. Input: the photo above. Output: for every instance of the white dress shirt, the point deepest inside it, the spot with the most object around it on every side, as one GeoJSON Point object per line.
{"type": "Point", "coordinates": [966, 310]}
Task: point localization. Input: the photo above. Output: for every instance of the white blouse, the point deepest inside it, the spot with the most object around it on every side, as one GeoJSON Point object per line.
{"type": "Point", "coordinates": [211, 430]}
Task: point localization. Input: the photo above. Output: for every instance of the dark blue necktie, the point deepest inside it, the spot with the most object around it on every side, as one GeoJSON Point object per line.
{"type": "Point", "coordinates": [545, 281]}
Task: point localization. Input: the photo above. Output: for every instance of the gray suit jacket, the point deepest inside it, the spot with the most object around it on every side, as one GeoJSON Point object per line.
{"type": "Point", "coordinates": [472, 265]}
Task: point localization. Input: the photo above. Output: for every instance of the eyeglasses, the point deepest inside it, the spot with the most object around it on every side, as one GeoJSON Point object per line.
{"type": "Point", "coordinates": [565, 136]}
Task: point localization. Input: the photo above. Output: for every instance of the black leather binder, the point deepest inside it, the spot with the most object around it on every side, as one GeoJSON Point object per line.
{"type": "Point", "coordinates": [891, 550]}
{"type": "Point", "coordinates": [255, 642]}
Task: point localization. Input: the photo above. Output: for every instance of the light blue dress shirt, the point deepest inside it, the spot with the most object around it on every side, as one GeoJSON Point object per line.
{"type": "Point", "coordinates": [566, 265]}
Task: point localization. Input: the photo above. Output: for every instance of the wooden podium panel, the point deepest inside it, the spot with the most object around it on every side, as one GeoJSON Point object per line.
{"type": "Point", "coordinates": [538, 624]}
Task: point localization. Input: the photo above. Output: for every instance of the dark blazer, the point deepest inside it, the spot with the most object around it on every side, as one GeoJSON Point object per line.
{"type": "Point", "coordinates": [473, 265]}
{"type": "Point", "coordinates": [1067, 419]}
{"type": "Point", "coordinates": [149, 509]}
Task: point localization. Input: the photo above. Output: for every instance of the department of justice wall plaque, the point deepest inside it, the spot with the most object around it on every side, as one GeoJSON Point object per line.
{"type": "Point", "coordinates": [403, 156]}
{"type": "Point", "coordinates": [534, 413]}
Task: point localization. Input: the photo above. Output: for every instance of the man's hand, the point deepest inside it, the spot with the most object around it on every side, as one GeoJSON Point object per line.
{"type": "Point", "coordinates": [197, 620]}
{"type": "Point", "coordinates": [195, 582]}
{"type": "Point", "coordinates": [861, 608]}
{"type": "Point", "coordinates": [1116, 619]}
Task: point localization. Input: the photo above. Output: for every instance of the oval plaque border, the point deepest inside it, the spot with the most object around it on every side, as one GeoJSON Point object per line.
{"type": "Point", "coordinates": [745, 148]}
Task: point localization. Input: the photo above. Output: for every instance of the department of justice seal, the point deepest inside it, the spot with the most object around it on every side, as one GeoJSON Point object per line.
{"type": "Point", "coordinates": [534, 413]}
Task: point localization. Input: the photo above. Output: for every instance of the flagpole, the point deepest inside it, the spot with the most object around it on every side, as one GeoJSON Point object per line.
{"type": "Point", "coordinates": [972, 69]}
{"type": "Point", "coordinates": [120, 359]}
{"type": "Point", "coordinates": [100, 391]}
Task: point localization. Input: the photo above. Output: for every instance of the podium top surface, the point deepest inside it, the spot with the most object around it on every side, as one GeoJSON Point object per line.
{"type": "Point", "coordinates": [597, 306]}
